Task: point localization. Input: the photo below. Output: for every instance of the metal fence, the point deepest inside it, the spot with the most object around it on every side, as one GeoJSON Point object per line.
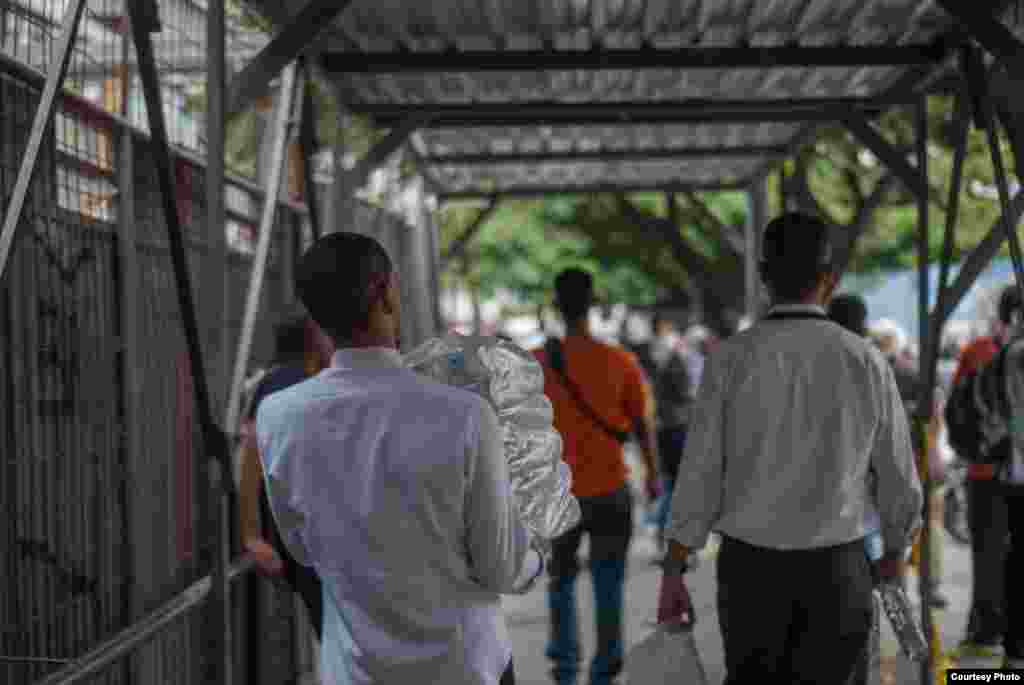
{"type": "Point", "coordinates": [99, 457]}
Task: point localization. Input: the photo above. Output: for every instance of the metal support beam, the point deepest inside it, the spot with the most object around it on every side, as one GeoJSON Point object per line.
{"type": "Point", "coordinates": [756, 219]}
{"type": "Point", "coordinates": [928, 348]}
{"type": "Point", "coordinates": [1009, 230]}
{"type": "Point", "coordinates": [254, 80]}
{"type": "Point", "coordinates": [471, 61]}
{"type": "Point", "coordinates": [625, 113]}
{"type": "Point", "coordinates": [982, 25]}
{"type": "Point", "coordinates": [127, 641]}
{"type": "Point", "coordinates": [864, 132]}
{"type": "Point", "coordinates": [457, 249]}
{"type": "Point", "coordinates": [40, 127]}
{"type": "Point", "coordinates": [962, 121]}
{"type": "Point", "coordinates": [540, 191]}
{"type": "Point", "coordinates": [384, 148]}
{"type": "Point", "coordinates": [217, 666]}
{"type": "Point", "coordinates": [605, 155]}
{"type": "Point", "coordinates": [980, 257]}
{"type": "Point", "coordinates": [279, 154]}
{"type": "Point", "coordinates": [307, 144]}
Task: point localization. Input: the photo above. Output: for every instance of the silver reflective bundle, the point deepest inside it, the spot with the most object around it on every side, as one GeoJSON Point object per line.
{"type": "Point", "coordinates": [903, 620]}
{"type": "Point", "coordinates": [513, 382]}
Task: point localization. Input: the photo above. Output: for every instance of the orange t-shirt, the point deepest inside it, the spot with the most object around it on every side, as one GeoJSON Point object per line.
{"type": "Point", "coordinates": [973, 358]}
{"type": "Point", "coordinates": [612, 382]}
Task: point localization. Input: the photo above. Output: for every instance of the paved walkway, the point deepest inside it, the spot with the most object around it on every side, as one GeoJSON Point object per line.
{"type": "Point", "coordinates": [528, 615]}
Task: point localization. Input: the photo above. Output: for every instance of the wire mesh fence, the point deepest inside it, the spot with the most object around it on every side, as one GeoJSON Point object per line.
{"type": "Point", "coordinates": [93, 536]}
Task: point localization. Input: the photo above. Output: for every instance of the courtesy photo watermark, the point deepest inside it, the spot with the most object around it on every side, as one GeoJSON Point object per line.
{"type": "Point", "coordinates": [985, 675]}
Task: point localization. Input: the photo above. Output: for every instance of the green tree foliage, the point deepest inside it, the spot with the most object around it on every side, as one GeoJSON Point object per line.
{"type": "Point", "coordinates": [700, 252]}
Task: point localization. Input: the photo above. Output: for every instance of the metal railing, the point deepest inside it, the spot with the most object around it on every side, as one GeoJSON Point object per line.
{"type": "Point", "coordinates": [138, 634]}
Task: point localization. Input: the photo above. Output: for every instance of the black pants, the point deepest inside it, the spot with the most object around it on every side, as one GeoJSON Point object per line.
{"type": "Point", "coordinates": [802, 617]}
{"type": "Point", "coordinates": [987, 521]}
{"type": "Point", "coordinates": [608, 520]}
{"type": "Point", "coordinates": [509, 676]}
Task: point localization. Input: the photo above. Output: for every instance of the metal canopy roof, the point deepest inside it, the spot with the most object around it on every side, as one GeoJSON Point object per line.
{"type": "Point", "coordinates": [653, 94]}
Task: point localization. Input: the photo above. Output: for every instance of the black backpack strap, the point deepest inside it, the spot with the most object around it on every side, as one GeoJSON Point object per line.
{"type": "Point", "coordinates": [556, 360]}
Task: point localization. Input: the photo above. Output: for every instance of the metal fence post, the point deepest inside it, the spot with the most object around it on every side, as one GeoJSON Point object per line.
{"type": "Point", "coordinates": [128, 256]}
{"type": "Point", "coordinates": [282, 126]}
{"type": "Point", "coordinates": [40, 125]}
{"type": "Point", "coordinates": [756, 218]}
{"type": "Point", "coordinates": [924, 410]}
{"type": "Point", "coordinates": [217, 472]}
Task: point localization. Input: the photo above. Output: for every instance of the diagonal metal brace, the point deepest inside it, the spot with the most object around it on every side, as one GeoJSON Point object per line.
{"type": "Point", "coordinates": [40, 126]}
{"type": "Point", "coordinates": [458, 248]}
{"type": "Point", "coordinates": [214, 440]}
{"type": "Point", "coordinates": [885, 151]}
{"type": "Point", "coordinates": [255, 78]}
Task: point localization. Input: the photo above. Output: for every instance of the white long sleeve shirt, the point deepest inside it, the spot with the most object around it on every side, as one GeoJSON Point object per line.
{"type": "Point", "coordinates": [396, 490]}
{"type": "Point", "coordinates": [791, 416]}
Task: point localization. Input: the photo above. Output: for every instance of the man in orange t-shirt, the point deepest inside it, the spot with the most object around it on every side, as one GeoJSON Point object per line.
{"type": "Point", "coordinates": [986, 503]}
{"type": "Point", "coordinates": [599, 390]}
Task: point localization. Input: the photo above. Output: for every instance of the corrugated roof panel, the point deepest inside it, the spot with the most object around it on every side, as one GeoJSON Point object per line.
{"type": "Point", "coordinates": [508, 140]}
{"type": "Point", "coordinates": [654, 174]}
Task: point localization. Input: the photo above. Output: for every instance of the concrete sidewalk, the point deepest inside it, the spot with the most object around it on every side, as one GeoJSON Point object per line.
{"type": "Point", "coordinates": [527, 615]}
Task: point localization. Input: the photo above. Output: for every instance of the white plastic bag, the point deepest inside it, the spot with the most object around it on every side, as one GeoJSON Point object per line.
{"type": "Point", "coordinates": [668, 655]}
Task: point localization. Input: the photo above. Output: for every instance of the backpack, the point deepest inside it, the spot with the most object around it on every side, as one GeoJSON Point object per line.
{"type": "Point", "coordinates": [974, 400]}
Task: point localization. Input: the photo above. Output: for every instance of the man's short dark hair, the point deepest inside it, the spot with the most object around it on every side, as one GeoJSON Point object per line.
{"type": "Point", "coordinates": [851, 312]}
{"type": "Point", "coordinates": [795, 253]}
{"type": "Point", "coordinates": [574, 293]}
{"type": "Point", "coordinates": [1009, 304]}
{"type": "Point", "coordinates": [339, 278]}
{"type": "Point", "coordinates": [290, 338]}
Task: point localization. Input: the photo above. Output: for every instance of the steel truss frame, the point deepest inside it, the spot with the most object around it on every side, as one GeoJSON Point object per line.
{"type": "Point", "coordinates": [300, 32]}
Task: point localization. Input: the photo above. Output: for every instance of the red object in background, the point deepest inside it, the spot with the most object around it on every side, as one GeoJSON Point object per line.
{"type": "Point", "coordinates": [184, 427]}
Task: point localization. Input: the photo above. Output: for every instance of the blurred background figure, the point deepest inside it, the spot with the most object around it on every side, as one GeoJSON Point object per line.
{"type": "Point", "coordinates": [892, 340]}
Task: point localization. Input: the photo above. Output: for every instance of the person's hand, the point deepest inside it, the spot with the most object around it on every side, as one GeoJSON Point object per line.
{"type": "Point", "coordinates": [674, 604]}
{"type": "Point", "coordinates": [654, 487]}
{"type": "Point", "coordinates": [267, 561]}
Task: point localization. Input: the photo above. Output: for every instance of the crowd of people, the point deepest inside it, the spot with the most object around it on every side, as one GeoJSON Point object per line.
{"type": "Point", "coordinates": [384, 499]}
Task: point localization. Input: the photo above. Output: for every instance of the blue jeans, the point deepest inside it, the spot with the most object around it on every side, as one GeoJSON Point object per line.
{"type": "Point", "coordinates": [608, 520]}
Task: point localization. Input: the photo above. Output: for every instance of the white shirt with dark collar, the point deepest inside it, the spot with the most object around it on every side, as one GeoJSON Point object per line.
{"type": "Point", "coordinates": [790, 417]}
{"type": "Point", "coordinates": [396, 490]}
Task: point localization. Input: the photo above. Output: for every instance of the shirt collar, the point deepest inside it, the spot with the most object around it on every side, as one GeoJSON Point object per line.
{"type": "Point", "coordinates": [803, 308]}
{"type": "Point", "coordinates": [366, 358]}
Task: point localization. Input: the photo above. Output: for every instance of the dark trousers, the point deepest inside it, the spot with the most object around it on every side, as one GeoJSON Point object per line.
{"type": "Point", "coordinates": [802, 617]}
{"type": "Point", "coordinates": [509, 676]}
{"type": "Point", "coordinates": [608, 520]}
{"type": "Point", "coordinates": [988, 524]}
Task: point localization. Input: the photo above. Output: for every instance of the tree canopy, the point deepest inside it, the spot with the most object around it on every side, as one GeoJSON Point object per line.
{"type": "Point", "coordinates": [649, 246]}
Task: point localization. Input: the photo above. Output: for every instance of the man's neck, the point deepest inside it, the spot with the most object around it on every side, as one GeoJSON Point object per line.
{"type": "Point", "coordinates": [579, 328]}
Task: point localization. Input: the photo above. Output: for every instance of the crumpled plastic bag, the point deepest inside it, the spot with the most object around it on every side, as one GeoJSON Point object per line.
{"type": "Point", "coordinates": [512, 380]}
{"type": "Point", "coordinates": [668, 655]}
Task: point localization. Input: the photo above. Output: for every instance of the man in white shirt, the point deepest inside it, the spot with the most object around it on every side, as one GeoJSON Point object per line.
{"type": "Point", "coordinates": [395, 489]}
{"type": "Point", "coordinates": [791, 417]}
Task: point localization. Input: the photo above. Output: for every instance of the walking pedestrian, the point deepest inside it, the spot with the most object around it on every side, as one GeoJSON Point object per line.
{"type": "Point", "coordinates": [791, 417]}
{"type": "Point", "coordinates": [599, 398]}
{"type": "Point", "coordinates": [395, 489]}
{"type": "Point", "coordinates": [298, 355]}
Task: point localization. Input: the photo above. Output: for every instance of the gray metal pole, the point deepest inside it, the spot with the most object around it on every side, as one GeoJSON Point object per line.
{"type": "Point", "coordinates": [924, 410]}
{"type": "Point", "coordinates": [282, 125]}
{"type": "Point", "coordinates": [138, 549]}
{"type": "Point", "coordinates": [217, 613]}
{"type": "Point", "coordinates": [217, 472]}
{"type": "Point", "coordinates": [40, 125]}
{"type": "Point", "coordinates": [755, 224]}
